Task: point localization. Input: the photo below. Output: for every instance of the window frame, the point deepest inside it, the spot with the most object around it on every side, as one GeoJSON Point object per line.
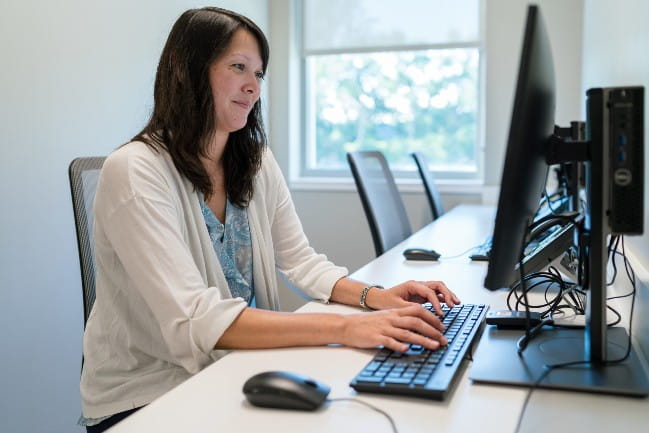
{"type": "Point", "coordinates": [307, 112]}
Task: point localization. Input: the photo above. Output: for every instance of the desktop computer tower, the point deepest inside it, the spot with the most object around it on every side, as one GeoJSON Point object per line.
{"type": "Point", "coordinates": [615, 193]}
{"type": "Point", "coordinates": [615, 118]}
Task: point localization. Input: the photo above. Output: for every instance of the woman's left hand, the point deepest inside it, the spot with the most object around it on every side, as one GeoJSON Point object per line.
{"type": "Point", "coordinates": [412, 292]}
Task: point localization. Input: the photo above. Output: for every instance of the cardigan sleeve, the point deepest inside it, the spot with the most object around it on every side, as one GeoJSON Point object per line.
{"type": "Point", "coordinates": [309, 271]}
{"type": "Point", "coordinates": [138, 210]}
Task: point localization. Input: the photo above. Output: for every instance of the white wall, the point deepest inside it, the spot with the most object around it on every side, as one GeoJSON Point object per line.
{"type": "Point", "coordinates": [504, 34]}
{"type": "Point", "coordinates": [76, 79]}
{"type": "Point", "coordinates": [332, 216]}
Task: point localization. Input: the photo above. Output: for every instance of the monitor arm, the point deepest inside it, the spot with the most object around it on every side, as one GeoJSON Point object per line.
{"type": "Point", "coordinates": [568, 144]}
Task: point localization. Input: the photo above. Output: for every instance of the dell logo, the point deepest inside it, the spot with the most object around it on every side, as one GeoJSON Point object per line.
{"type": "Point", "coordinates": [622, 176]}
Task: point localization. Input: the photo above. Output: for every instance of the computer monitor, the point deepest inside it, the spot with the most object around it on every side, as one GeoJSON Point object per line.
{"type": "Point", "coordinates": [524, 173]}
{"type": "Point", "coordinates": [523, 181]}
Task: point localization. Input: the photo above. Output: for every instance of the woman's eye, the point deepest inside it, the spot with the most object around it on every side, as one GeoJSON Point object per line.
{"type": "Point", "coordinates": [239, 66]}
{"type": "Point", "coordinates": [259, 75]}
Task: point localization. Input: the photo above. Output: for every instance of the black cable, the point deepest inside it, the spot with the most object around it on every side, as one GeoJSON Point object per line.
{"type": "Point", "coordinates": [527, 307]}
{"type": "Point", "coordinates": [629, 272]}
{"type": "Point", "coordinates": [567, 293]}
{"type": "Point", "coordinates": [584, 277]}
{"type": "Point", "coordinates": [612, 252]}
{"type": "Point", "coordinates": [582, 281]}
{"type": "Point", "coordinates": [571, 296]}
{"type": "Point", "coordinates": [543, 197]}
{"type": "Point", "coordinates": [626, 295]}
{"type": "Point", "coordinates": [548, 200]}
{"type": "Point", "coordinates": [570, 291]}
{"type": "Point", "coordinates": [548, 368]}
{"type": "Point", "coordinates": [522, 342]}
{"type": "Point", "coordinates": [631, 276]}
{"type": "Point", "coordinates": [569, 217]}
{"type": "Point", "coordinates": [374, 408]}
{"type": "Point", "coordinates": [618, 316]}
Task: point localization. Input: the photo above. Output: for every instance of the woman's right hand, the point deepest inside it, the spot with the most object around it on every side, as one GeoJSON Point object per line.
{"type": "Point", "coordinates": [394, 329]}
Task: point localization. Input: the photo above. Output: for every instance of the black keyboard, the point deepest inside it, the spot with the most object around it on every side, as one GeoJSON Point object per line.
{"type": "Point", "coordinates": [422, 372]}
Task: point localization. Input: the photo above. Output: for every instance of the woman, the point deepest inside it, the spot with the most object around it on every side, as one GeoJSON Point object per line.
{"type": "Point", "coordinates": [192, 221]}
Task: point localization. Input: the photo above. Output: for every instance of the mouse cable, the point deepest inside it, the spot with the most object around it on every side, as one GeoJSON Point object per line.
{"type": "Point", "coordinates": [374, 408]}
{"type": "Point", "coordinates": [462, 253]}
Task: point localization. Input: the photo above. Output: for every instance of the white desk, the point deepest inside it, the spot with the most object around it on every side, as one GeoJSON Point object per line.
{"type": "Point", "coordinates": [212, 400]}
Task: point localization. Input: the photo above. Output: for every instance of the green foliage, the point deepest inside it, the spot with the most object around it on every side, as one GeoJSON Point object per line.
{"type": "Point", "coordinates": [397, 102]}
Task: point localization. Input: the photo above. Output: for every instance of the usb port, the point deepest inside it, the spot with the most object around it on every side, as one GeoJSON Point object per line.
{"type": "Point", "coordinates": [622, 140]}
{"type": "Point", "coordinates": [622, 156]}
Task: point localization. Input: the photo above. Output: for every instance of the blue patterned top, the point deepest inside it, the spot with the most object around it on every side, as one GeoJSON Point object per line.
{"type": "Point", "coordinates": [233, 246]}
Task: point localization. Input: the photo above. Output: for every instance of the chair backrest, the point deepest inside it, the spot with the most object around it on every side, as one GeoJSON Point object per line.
{"type": "Point", "coordinates": [434, 198]}
{"type": "Point", "coordinates": [382, 203]}
{"type": "Point", "coordinates": [84, 174]}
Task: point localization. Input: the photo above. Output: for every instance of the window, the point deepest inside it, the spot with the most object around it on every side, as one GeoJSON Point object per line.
{"type": "Point", "coordinates": [393, 76]}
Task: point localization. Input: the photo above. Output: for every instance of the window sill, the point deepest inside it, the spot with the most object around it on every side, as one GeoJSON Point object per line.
{"type": "Point", "coordinates": [469, 187]}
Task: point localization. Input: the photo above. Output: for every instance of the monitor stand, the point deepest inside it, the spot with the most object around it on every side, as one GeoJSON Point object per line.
{"type": "Point", "coordinates": [496, 361]}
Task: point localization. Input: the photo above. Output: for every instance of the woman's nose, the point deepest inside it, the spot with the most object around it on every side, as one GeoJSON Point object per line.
{"type": "Point", "coordinates": [252, 86]}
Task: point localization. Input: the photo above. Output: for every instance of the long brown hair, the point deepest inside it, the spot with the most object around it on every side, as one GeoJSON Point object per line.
{"type": "Point", "coordinates": [183, 112]}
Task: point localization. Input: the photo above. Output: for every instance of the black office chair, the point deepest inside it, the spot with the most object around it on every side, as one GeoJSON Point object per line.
{"type": "Point", "coordinates": [382, 203]}
{"type": "Point", "coordinates": [84, 174]}
{"type": "Point", "coordinates": [434, 198]}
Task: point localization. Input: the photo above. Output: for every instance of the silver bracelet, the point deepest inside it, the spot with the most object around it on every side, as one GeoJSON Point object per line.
{"type": "Point", "coordinates": [364, 294]}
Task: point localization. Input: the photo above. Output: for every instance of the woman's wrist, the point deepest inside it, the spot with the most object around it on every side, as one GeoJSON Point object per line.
{"type": "Point", "coordinates": [355, 293]}
{"type": "Point", "coordinates": [373, 296]}
{"type": "Point", "coordinates": [337, 329]}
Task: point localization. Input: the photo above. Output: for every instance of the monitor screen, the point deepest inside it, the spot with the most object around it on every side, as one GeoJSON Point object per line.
{"type": "Point", "coordinates": [525, 170]}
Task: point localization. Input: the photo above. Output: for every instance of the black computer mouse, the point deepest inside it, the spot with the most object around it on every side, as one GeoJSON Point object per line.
{"type": "Point", "coordinates": [421, 254]}
{"type": "Point", "coordinates": [284, 390]}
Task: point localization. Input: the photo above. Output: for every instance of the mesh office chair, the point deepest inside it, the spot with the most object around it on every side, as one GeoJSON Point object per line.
{"type": "Point", "coordinates": [382, 203]}
{"type": "Point", "coordinates": [434, 198]}
{"type": "Point", "coordinates": [84, 174]}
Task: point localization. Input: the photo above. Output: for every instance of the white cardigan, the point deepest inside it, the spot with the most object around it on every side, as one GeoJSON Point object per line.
{"type": "Point", "coordinates": [162, 299]}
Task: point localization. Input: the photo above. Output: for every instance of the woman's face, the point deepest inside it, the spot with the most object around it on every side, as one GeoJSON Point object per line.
{"type": "Point", "coordinates": [235, 78]}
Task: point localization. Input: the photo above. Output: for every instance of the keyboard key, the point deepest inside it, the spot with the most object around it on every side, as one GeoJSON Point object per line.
{"type": "Point", "coordinates": [371, 379]}
{"type": "Point", "coordinates": [398, 380]}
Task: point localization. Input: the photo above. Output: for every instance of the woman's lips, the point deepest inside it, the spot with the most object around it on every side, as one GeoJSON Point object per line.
{"type": "Point", "coordinates": [243, 104]}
